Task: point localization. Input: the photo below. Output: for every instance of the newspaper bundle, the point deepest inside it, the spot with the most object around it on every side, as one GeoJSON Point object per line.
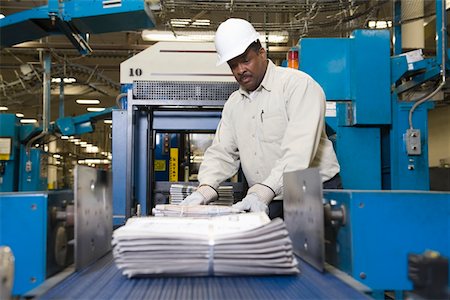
{"type": "Point", "coordinates": [239, 244]}
{"type": "Point", "coordinates": [180, 191]}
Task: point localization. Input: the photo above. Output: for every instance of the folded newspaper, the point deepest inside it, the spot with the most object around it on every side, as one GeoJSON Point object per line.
{"type": "Point", "coordinates": [239, 244]}
{"type": "Point", "coordinates": [180, 191]}
{"type": "Point", "coordinates": [175, 210]}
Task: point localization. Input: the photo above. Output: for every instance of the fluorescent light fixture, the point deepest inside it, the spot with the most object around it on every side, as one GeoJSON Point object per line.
{"type": "Point", "coordinates": [75, 140]}
{"type": "Point", "coordinates": [107, 121]}
{"type": "Point", "coordinates": [19, 115]}
{"type": "Point", "coordinates": [201, 22]}
{"type": "Point", "coordinates": [94, 161]}
{"type": "Point", "coordinates": [65, 80]}
{"type": "Point", "coordinates": [3, 108]}
{"type": "Point", "coordinates": [379, 24]}
{"type": "Point", "coordinates": [88, 101]}
{"type": "Point", "coordinates": [56, 155]}
{"type": "Point", "coordinates": [93, 109]}
{"type": "Point", "coordinates": [203, 36]}
{"type": "Point", "coordinates": [64, 137]}
{"type": "Point", "coordinates": [28, 121]}
{"type": "Point", "coordinates": [83, 143]}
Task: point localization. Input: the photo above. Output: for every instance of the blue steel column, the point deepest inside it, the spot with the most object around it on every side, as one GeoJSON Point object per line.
{"type": "Point", "coordinates": [397, 27]}
{"type": "Point", "coordinates": [441, 34]}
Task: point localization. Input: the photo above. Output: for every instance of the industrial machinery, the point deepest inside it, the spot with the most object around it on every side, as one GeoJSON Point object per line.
{"type": "Point", "coordinates": [37, 226]}
{"type": "Point", "coordinates": [391, 131]}
{"type": "Point", "coordinates": [173, 92]}
{"type": "Point", "coordinates": [381, 140]}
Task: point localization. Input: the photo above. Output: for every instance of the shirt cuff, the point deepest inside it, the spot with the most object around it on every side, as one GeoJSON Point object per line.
{"type": "Point", "coordinates": [208, 192]}
{"type": "Point", "coordinates": [264, 193]}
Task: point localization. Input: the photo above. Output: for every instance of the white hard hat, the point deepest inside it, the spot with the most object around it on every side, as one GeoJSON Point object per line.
{"type": "Point", "coordinates": [232, 39]}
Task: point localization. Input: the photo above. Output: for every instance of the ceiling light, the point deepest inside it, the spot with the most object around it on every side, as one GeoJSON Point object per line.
{"type": "Point", "coordinates": [2, 16]}
{"type": "Point", "coordinates": [56, 156]}
{"type": "Point", "coordinates": [64, 137]}
{"type": "Point", "coordinates": [65, 80]}
{"type": "Point", "coordinates": [28, 121]}
{"type": "Point", "coordinates": [88, 101]}
{"type": "Point", "coordinates": [95, 108]}
{"type": "Point", "coordinates": [19, 115]}
{"type": "Point", "coordinates": [201, 22]}
{"type": "Point", "coordinates": [3, 108]}
{"type": "Point", "coordinates": [107, 121]}
{"type": "Point", "coordinates": [203, 36]}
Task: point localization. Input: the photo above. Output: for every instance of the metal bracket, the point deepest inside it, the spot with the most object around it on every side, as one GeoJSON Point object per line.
{"type": "Point", "coordinates": [93, 214]}
{"type": "Point", "coordinates": [413, 144]}
{"type": "Point", "coordinates": [304, 215]}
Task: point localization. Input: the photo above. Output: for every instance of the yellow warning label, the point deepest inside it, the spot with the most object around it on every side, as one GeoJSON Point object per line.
{"type": "Point", "coordinates": [4, 156]}
{"type": "Point", "coordinates": [173, 165]}
{"type": "Point", "coordinates": [160, 165]}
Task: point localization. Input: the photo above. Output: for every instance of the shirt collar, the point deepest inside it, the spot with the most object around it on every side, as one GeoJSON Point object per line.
{"type": "Point", "coordinates": [267, 81]}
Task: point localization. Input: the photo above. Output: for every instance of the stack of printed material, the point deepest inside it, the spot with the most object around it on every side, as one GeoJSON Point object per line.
{"type": "Point", "coordinates": [175, 210]}
{"type": "Point", "coordinates": [240, 244]}
{"type": "Point", "coordinates": [225, 196]}
{"type": "Point", "coordinates": [179, 191]}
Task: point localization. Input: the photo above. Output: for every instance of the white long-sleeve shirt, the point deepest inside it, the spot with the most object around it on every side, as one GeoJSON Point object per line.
{"type": "Point", "coordinates": [278, 128]}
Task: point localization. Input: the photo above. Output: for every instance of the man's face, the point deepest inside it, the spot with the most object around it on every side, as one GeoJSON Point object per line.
{"type": "Point", "coordinates": [249, 68]}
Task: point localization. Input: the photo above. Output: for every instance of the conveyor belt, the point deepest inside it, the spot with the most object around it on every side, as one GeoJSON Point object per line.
{"type": "Point", "coordinates": [104, 281]}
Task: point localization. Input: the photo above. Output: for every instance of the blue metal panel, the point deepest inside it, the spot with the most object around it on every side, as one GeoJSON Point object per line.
{"type": "Point", "coordinates": [383, 227]}
{"type": "Point", "coordinates": [33, 173]}
{"type": "Point", "coordinates": [366, 147]}
{"type": "Point", "coordinates": [9, 128]}
{"type": "Point", "coordinates": [119, 133]}
{"type": "Point", "coordinates": [23, 227]}
{"type": "Point", "coordinates": [187, 120]}
{"type": "Point", "coordinates": [370, 80]}
{"type": "Point", "coordinates": [141, 160]}
{"type": "Point", "coordinates": [331, 69]}
{"type": "Point", "coordinates": [409, 172]}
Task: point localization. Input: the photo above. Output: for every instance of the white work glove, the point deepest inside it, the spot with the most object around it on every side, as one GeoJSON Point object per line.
{"type": "Point", "coordinates": [252, 203]}
{"type": "Point", "coordinates": [258, 198]}
{"type": "Point", "coordinates": [202, 196]}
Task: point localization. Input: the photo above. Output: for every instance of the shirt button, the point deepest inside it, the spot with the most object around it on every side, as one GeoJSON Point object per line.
{"type": "Point", "coordinates": [257, 172]}
{"type": "Point", "coordinates": [253, 135]}
{"type": "Point", "coordinates": [253, 117]}
{"type": "Point", "coordinates": [255, 153]}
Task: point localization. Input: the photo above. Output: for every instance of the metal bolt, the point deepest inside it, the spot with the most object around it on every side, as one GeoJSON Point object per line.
{"type": "Point", "coordinates": [362, 275]}
{"type": "Point", "coordinates": [410, 167]}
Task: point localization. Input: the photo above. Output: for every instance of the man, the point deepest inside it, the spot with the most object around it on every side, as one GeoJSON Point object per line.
{"type": "Point", "coordinates": [273, 124]}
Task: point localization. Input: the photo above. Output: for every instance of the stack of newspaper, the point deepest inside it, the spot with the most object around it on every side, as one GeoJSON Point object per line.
{"type": "Point", "coordinates": [242, 244]}
{"type": "Point", "coordinates": [175, 210]}
{"type": "Point", "coordinates": [180, 191]}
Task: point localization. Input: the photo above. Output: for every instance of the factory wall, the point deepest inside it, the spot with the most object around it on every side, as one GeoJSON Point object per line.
{"type": "Point", "coordinates": [439, 135]}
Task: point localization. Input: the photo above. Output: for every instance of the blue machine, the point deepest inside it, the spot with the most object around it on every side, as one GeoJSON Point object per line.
{"type": "Point", "coordinates": [381, 144]}
{"type": "Point", "coordinates": [382, 228]}
{"type": "Point", "coordinates": [75, 19]}
{"type": "Point", "coordinates": [21, 169]}
{"type": "Point", "coordinates": [357, 74]}
{"type": "Point", "coordinates": [9, 152]}
{"type": "Point", "coordinates": [38, 237]}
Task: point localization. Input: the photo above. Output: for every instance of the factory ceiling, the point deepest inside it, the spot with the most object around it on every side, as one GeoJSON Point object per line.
{"type": "Point", "coordinates": [97, 74]}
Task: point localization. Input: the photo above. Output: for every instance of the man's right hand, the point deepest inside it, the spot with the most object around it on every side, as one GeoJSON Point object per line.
{"type": "Point", "coordinates": [202, 196]}
{"type": "Point", "coordinates": [196, 198]}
